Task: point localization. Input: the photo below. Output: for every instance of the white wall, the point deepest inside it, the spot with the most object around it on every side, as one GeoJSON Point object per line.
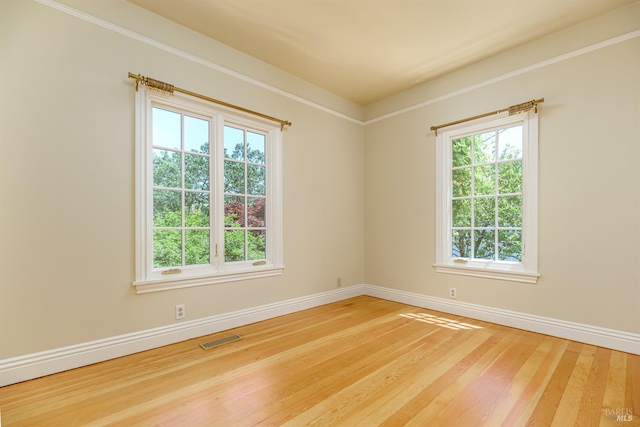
{"type": "Point", "coordinates": [589, 198]}
{"type": "Point", "coordinates": [67, 172]}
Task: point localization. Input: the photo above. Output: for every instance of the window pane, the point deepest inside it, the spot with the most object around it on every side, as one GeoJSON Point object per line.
{"type": "Point", "coordinates": [461, 182]}
{"type": "Point", "coordinates": [257, 244]}
{"type": "Point", "coordinates": [196, 172]}
{"type": "Point", "coordinates": [510, 143]}
{"type": "Point", "coordinates": [166, 129]}
{"type": "Point", "coordinates": [461, 243]}
{"type": "Point", "coordinates": [234, 245]}
{"type": "Point", "coordinates": [484, 244]}
{"type": "Point", "coordinates": [233, 143]}
{"type": "Point", "coordinates": [510, 211]}
{"type": "Point", "coordinates": [484, 148]}
{"type": "Point", "coordinates": [167, 248]}
{"type": "Point", "coordinates": [196, 209]}
{"type": "Point", "coordinates": [510, 177]}
{"type": "Point", "coordinates": [461, 152]}
{"type": "Point", "coordinates": [461, 212]}
{"type": "Point", "coordinates": [510, 245]}
{"type": "Point", "coordinates": [167, 208]}
{"type": "Point", "coordinates": [255, 180]}
{"type": "Point", "coordinates": [484, 180]}
{"type": "Point", "coordinates": [233, 177]}
{"type": "Point", "coordinates": [234, 211]}
{"type": "Point", "coordinates": [256, 212]}
{"type": "Point", "coordinates": [196, 247]}
{"type": "Point", "coordinates": [255, 147]}
{"type": "Point", "coordinates": [196, 135]}
{"type": "Point", "coordinates": [167, 169]}
{"type": "Point", "coordinates": [484, 212]}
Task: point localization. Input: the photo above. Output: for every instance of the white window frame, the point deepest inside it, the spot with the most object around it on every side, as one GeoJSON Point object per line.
{"type": "Point", "coordinates": [525, 271]}
{"type": "Point", "coordinates": [149, 279]}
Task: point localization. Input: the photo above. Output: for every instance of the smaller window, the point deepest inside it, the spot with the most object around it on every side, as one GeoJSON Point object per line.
{"type": "Point", "coordinates": [487, 199]}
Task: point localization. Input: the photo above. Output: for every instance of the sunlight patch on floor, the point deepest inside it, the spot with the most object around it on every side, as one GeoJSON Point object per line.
{"type": "Point", "coordinates": [440, 321]}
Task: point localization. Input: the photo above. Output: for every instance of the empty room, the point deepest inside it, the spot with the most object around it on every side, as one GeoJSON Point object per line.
{"type": "Point", "coordinates": [320, 212]}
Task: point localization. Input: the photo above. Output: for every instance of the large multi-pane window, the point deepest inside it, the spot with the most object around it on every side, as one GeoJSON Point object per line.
{"type": "Point", "coordinates": [487, 196]}
{"type": "Point", "coordinates": [208, 194]}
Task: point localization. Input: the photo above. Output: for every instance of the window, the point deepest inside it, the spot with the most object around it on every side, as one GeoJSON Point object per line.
{"type": "Point", "coordinates": [487, 199]}
{"type": "Point", "coordinates": [208, 194]}
{"type": "Point", "coordinates": [244, 195]}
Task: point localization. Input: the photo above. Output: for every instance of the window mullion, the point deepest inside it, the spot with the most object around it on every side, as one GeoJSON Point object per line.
{"type": "Point", "coordinates": [495, 195]}
{"type": "Point", "coordinates": [472, 249]}
{"type": "Point", "coordinates": [246, 196]}
{"type": "Point", "coordinates": [219, 181]}
{"type": "Point", "coordinates": [213, 191]}
{"type": "Point", "coordinates": [182, 193]}
{"type": "Point", "coordinates": [495, 204]}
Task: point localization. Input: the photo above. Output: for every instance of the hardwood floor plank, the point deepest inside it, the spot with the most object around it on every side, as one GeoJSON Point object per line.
{"type": "Point", "coordinates": [251, 377]}
{"type": "Point", "coordinates": [632, 389]}
{"type": "Point", "coordinates": [593, 394]}
{"type": "Point", "coordinates": [528, 384]}
{"type": "Point", "coordinates": [614, 396]}
{"type": "Point", "coordinates": [548, 403]}
{"type": "Point", "coordinates": [479, 398]}
{"type": "Point", "coordinates": [397, 407]}
{"type": "Point", "coordinates": [377, 364]}
{"type": "Point", "coordinates": [160, 361]}
{"type": "Point", "coordinates": [302, 391]}
{"type": "Point", "coordinates": [358, 362]}
{"type": "Point", "coordinates": [569, 405]}
{"type": "Point", "coordinates": [424, 394]}
{"type": "Point", "coordinates": [418, 366]}
{"type": "Point", "coordinates": [240, 399]}
{"type": "Point", "coordinates": [431, 412]}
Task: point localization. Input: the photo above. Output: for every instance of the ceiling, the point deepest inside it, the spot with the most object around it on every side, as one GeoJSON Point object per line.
{"type": "Point", "coordinates": [366, 50]}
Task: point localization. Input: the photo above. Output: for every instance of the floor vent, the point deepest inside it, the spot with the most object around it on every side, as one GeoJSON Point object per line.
{"type": "Point", "coordinates": [220, 341]}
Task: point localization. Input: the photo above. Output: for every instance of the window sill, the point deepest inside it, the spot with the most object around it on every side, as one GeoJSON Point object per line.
{"type": "Point", "coordinates": [164, 284]}
{"type": "Point", "coordinates": [510, 275]}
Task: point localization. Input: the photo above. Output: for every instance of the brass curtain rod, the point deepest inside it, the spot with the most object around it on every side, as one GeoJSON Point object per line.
{"type": "Point", "coordinates": [169, 88]}
{"type": "Point", "coordinates": [514, 109]}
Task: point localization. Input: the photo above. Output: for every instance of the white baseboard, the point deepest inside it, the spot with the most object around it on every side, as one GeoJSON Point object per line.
{"type": "Point", "coordinates": [609, 338]}
{"type": "Point", "coordinates": [36, 365]}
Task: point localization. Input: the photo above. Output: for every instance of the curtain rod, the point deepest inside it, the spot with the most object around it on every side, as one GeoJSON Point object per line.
{"type": "Point", "coordinates": [514, 109]}
{"type": "Point", "coordinates": [169, 88]}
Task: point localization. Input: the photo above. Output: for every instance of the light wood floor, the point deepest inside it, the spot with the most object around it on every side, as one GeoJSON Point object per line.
{"type": "Point", "coordinates": [358, 362]}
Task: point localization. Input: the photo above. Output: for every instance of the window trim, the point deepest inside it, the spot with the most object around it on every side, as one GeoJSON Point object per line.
{"type": "Point", "coordinates": [148, 279]}
{"type": "Point", "coordinates": [525, 271]}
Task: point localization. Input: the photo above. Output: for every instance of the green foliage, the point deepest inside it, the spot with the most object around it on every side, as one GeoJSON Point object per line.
{"type": "Point", "coordinates": [175, 206]}
{"type": "Point", "coordinates": [487, 221]}
{"type": "Point", "coordinates": [168, 209]}
{"type": "Point", "coordinates": [235, 169]}
{"type": "Point", "coordinates": [242, 212]}
{"type": "Point", "coordinates": [235, 232]}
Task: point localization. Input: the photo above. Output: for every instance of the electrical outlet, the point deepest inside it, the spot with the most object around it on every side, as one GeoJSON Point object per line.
{"type": "Point", "coordinates": [181, 311]}
{"type": "Point", "coordinates": [339, 282]}
{"type": "Point", "coordinates": [453, 293]}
